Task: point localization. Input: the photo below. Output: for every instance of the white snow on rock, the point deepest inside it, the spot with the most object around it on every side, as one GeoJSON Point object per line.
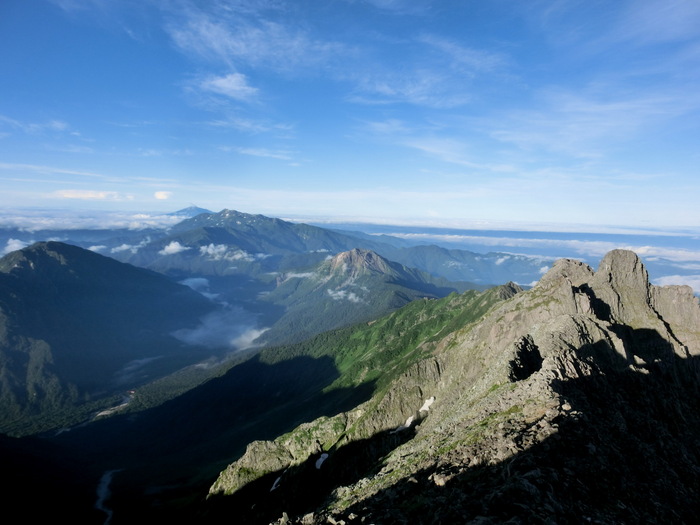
{"type": "Point", "coordinates": [426, 405]}
{"type": "Point", "coordinates": [409, 421]}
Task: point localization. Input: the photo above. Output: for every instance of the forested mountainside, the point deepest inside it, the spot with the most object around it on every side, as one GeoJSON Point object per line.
{"type": "Point", "coordinates": [78, 328]}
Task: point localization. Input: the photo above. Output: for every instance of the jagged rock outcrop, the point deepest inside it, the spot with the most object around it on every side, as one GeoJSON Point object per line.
{"type": "Point", "coordinates": [575, 400]}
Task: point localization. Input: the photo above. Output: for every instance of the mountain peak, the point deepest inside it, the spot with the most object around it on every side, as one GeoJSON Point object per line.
{"type": "Point", "coordinates": [358, 261]}
{"type": "Point", "coordinates": [191, 211]}
{"type": "Point", "coordinates": [41, 255]}
{"type": "Point", "coordinates": [623, 269]}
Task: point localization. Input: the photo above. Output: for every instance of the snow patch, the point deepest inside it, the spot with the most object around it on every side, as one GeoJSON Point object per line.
{"type": "Point", "coordinates": [409, 421]}
{"type": "Point", "coordinates": [426, 406]}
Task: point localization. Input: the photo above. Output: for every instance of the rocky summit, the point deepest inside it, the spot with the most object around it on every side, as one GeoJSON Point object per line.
{"type": "Point", "coordinates": [576, 401]}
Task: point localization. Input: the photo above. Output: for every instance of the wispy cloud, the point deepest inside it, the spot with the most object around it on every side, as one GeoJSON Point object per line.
{"type": "Point", "coordinates": [233, 85]}
{"type": "Point", "coordinates": [593, 248]}
{"type": "Point", "coordinates": [14, 245]}
{"type": "Point", "coordinates": [49, 170]}
{"type": "Point", "coordinates": [230, 328]}
{"type": "Point", "coordinates": [249, 36]}
{"type": "Point", "coordinates": [35, 127]}
{"type": "Point", "coordinates": [344, 295]}
{"type": "Point", "coordinates": [422, 87]}
{"type": "Point", "coordinates": [251, 125]}
{"type": "Point", "coordinates": [260, 152]}
{"type": "Point", "coordinates": [92, 195]}
{"type": "Point", "coordinates": [217, 252]}
{"type": "Point", "coordinates": [689, 280]}
{"type": "Point", "coordinates": [465, 59]}
{"type": "Point", "coordinates": [52, 219]}
{"type": "Point", "coordinates": [584, 124]}
{"type": "Point", "coordinates": [657, 21]}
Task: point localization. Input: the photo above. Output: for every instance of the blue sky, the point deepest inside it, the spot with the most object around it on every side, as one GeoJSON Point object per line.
{"type": "Point", "coordinates": [443, 112]}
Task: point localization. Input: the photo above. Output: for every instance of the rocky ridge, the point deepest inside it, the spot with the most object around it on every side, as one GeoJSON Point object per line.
{"type": "Point", "coordinates": [577, 399]}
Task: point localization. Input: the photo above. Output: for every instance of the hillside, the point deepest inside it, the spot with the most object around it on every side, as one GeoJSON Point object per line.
{"type": "Point", "coordinates": [575, 400]}
{"type": "Point", "coordinates": [168, 456]}
{"type": "Point", "coordinates": [77, 328]}
{"type": "Point", "coordinates": [348, 288]}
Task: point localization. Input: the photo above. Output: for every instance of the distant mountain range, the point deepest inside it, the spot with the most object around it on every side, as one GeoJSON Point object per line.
{"type": "Point", "coordinates": [82, 328]}
{"type": "Point", "coordinates": [231, 242]}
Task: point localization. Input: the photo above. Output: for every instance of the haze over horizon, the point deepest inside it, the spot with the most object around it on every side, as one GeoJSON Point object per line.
{"type": "Point", "coordinates": [569, 113]}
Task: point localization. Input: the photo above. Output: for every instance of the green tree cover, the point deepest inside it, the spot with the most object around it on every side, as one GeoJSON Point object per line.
{"type": "Point", "coordinates": [365, 352]}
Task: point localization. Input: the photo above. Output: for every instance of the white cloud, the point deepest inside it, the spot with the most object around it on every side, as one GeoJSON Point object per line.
{"type": "Point", "coordinates": [92, 195]}
{"type": "Point", "coordinates": [214, 251]}
{"type": "Point", "coordinates": [261, 152]}
{"type": "Point", "coordinates": [589, 248]}
{"type": "Point", "coordinates": [690, 280]}
{"type": "Point", "coordinates": [218, 252]}
{"type": "Point", "coordinates": [49, 219]}
{"type": "Point", "coordinates": [173, 248]}
{"type": "Point", "coordinates": [97, 248]}
{"type": "Point", "coordinates": [461, 57]}
{"type": "Point", "coordinates": [201, 285]}
{"type": "Point", "coordinates": [133, 248]}
{"type": "Point", "coordinates": [300, 275]}
{"type": "Point", "coordinates": [340, 295]}
{"type": "Point", "coordinates": [654, 21]}
{"type": "Point", "coordinates": [234, 85]}
{"type": "Point", "coordinates": [198, 284]}
{"type": "Point", "coordinates": [163, 195]}
{"type": "Point", "coordinates": [241, 34]}
{"type": "Point", "coordinates": [579, 125]}
{"type": "Point", "coordinates": [247, 338]}
{"type": "Point", "coordinates": [230, 328]}
{"type": "Point", "coordinates": [14, 245]}
{"type": "Point", "coordinates": [33, 127]}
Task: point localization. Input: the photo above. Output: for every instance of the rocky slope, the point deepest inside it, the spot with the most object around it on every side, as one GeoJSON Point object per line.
{"type": "Point", "coordinates": [574, 401]}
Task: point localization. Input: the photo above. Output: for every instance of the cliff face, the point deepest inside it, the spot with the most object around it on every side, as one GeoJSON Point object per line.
{"type": "Point", "coordinates": [575, 400]}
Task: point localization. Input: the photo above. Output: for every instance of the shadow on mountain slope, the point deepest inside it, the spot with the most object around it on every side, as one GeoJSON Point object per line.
{"type": "Point", "coordinates": [168, 456]}
{"type": "Point", "coordinates": [300, 489]}
{"type": "Point", "coordinates": [623, 447]}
